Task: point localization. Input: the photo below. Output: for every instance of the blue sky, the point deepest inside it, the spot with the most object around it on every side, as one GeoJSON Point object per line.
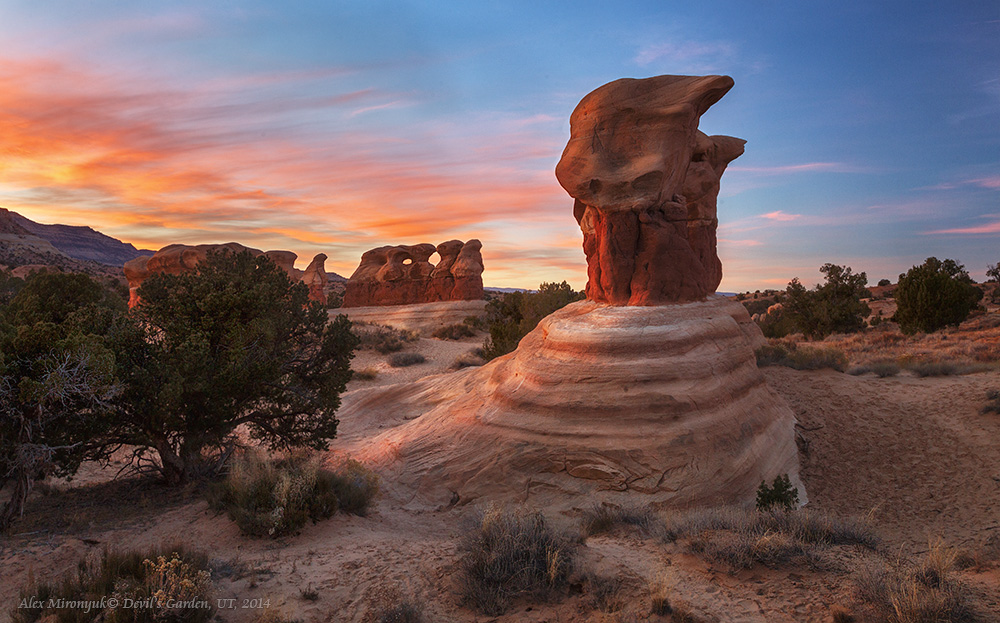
{"type": "Point", "coordinates": [873, 129]}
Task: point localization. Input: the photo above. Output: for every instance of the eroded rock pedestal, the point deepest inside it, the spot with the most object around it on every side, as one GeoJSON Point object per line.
{"type": "Point", "coordinates": [650, 388]}
{"type": "Point", "coordinates": [404, 275]}
{"type": "Point", "coordinates": [597, 403]}
{"type": "Point", "coordinates": [645, 182]}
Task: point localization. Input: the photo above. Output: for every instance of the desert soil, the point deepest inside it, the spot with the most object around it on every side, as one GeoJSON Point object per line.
{"type": "Point", "coordinates": [916, 453]}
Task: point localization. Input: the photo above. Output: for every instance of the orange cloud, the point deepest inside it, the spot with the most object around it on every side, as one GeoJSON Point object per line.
{"type": "Point", "coordinates": [230, 160]}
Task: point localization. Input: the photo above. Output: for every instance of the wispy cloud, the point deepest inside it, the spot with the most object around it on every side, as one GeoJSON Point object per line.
{"type": "Point", "coordinates": [688, 55]}
{"type": "Point", "coordinates": [806, 167]}
{"type": "Point", "coordinates": [780, 216]}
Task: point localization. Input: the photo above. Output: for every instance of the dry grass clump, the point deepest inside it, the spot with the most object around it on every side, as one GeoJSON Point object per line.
{"type": "Point", "coordinates": [791, 355]}
{"type": "Point", "coordinates": [605, 593]}
{"type": "Point", "coordinates": [388, 604]}
{"type": "Point", "coordinates": [926, 592]}
{"type": "Point", "coordinates": [881, 369]}
{"type": "Point", "coordinates": [382, 338]}
{"type": "Point", "coordinates": [943, 368]}
{"type": "Point", "coordinates": [402, 360]}
{"type": "Point", "coordinates": [454, 332]}
{"type": "Point", "coordinates": [469, 359]}
{"type": "Point", "coordinates": [602, 518]}
{"type": "Point", "coordinates": [273, 497]}
{"type": "Point", "coordinates": [744, 538]}
{"type": "Point", "coordinates": [157, 577]}
{"type": "Point", "coordinates": [507, 554]}
{"type": "Point", "coordinates": [365, 374]}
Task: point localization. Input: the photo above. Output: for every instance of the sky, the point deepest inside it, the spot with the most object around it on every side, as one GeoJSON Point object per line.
{"type": "Point", "coordinates": [873, 129]}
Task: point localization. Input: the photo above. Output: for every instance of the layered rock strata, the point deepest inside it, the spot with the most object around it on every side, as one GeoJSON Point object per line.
{"type": "Point", "coordinates": [598, 402]}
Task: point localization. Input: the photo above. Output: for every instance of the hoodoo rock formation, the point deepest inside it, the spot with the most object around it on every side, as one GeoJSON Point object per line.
{"type": "Point", "coordinates": [645, 182]}
{"type": "Point", "coordinates": [176, 259]}
{"type": "Point", "coordinates": [404, 275]}
{"type": "Point", "coordinates": [648, 392]}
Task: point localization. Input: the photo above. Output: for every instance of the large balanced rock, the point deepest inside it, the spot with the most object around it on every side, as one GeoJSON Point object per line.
{"type": "Point", "coordinates": [648, 392]}
{"type": "Point", "coordinates": [404, 275]}
{"type": "Point", "coordinates": [177, 259]}
{"type": "Point", "coordinates": [645, 182]}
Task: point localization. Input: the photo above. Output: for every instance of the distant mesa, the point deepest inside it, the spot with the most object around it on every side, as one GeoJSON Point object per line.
{"type": "Point", "coordinates": [404, 275]}
{"type": "Point", "coordinates": [645, 182]}
{"type": "Point", "coordinates": [77, 242]}
{"type": "Point", "coordinates": [177, 259]}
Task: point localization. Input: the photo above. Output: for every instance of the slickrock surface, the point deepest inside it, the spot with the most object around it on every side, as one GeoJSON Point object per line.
{"type": "Point", "coordinates": [421, 317]}
{"type": "Point", "coordinates": [598, 402]}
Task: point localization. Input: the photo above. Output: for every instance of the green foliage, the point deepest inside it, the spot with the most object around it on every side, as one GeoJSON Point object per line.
{"type": "Point", "coordinates": [993, 272]}
{"type": "Point", "coordinates": [781, 494]}
{"type": "Point", "coordinates": [266, 497]}
{"type": "Point", "coordinates": [235, 345]}
{"type": "Point", "coordinates": [934, 295]}
{"type": "Point", "coordinates": [833, 307]}
{"type": "Point", "coordinates": [513, 315]}
{"type": "Point", "coordinates": [57, 381]}
{"type": "Point", "coordinates": [9, 286]}
{"type": "Point", "coordinates": [884, 282]}
{"type": "Point", "coordinates": [156, 577]}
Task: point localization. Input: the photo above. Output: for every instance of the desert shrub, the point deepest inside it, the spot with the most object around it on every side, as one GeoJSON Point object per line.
{"type": "Point", "coordinates": [507, 554]}
{"type": "Point", "coordinates": [934, 295]}
{"type": "Point", "coordinates": [881, 369]}
{"type": "Point", "coordinates": [235, 345]}
{"type": "Point", "coordinates": [659, 598]}
{"type": "Point", "coordinates": [833, 307]}
{"type": "Point", "coordinates": [602, 518]}
{"type": "Point", "coordinates": [335, 300]}
{"type": "Point", "coordinates": [925, 592]}
{"type": "Point", "coordinates": [745, 538]}
{"type": "Point", "coordinates": [884, 282]}
{"type": "Point", "coordinates": [356, 486]}
{"type": "Point", "coordinates": [513, 315]}
{"type": "Point", "coordinates": [382, 339]}
{"type": "Point", "coordinates": [386, 603]}
{"type": "Point", "coordinates": [801, 357]}
{"type": "Point", "coordinates": [465, 360]}
{"type": "Point", "coordinates": [402, 360]}
{"type": "Point", "coordinates": [992, 402]}
{"type": "Point", "coordinates": [780, 494]}
{"type": "Point", "coordinates": [159, 575]}
{"type": "Point", "coordinates": [942, 368]}
{"type": "Point", "coordinates": [267, 497]}
{"type": "Point", "coordinates": [365, 374]}
{"type": "Point", "coordinates": [454, 332]}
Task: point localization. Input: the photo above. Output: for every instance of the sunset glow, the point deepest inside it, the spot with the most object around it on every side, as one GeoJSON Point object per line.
{"type": "Point", "coordinates": [320, 129]}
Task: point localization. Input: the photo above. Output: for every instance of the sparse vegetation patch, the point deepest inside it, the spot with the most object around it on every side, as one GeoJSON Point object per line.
{"type": "Point", "coordinates": [791, 355]}
{"type": "Point", "coordinates": [157, 577]}
{"type": "Point", "coordinates": [402, 360]}
{"type": "Point", "coordinates": [268, 497]}
{"type": "Point", "coordinates": [507, 554]}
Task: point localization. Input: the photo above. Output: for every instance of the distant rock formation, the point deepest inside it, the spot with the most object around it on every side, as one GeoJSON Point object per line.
{"type": "Point", "coordinates": [176, 259]}
{"type": "Point", "coordinates": [645, 182]}
{"type": "Point", "coordinates": [403, 275]}
{"type": "Point", "coordinates": [315, 278]}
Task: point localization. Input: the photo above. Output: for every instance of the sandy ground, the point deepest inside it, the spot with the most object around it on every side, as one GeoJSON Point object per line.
{"type": "Point", "coordinates": [916, 452]}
